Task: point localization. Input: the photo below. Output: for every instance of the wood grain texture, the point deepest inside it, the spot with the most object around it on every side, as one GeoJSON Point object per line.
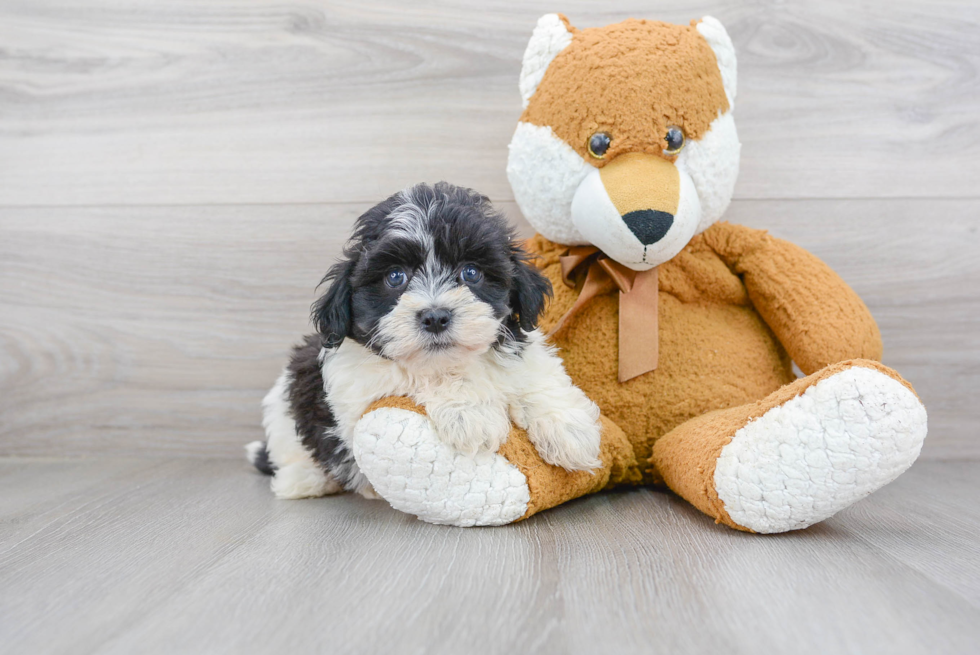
{"type": "Point", "coordinates": [189, 102]}
{"type": "Point", "coordinates": [176, 176]}
{"type": "Point", "coordinates": [195, 556]}
{"type": "Point", "coordinates": [158, 329]}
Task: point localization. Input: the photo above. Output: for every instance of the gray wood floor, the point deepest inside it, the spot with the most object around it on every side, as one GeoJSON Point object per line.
{"type": "Point", "coordinates": [195, 556]}
{"type": "Point", "coordinates": [175, 177]}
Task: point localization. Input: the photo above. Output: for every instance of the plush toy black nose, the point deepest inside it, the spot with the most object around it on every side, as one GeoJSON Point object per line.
{"type": "Point", "coordinates": [435, 320]}
{"type": "Point", "coordinates": [649, 225]}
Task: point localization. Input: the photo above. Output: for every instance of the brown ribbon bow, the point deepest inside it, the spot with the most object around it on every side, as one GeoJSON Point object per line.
{"type": "Point", "coordinates": [639, 345]}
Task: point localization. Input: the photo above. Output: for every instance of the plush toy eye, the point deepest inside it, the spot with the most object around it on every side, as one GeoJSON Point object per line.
{"type": "Point", "coordinates": [396, 278]}
{"type": "Point", "coordinates": [470, 274]}
{"type": "Point", "coordinates": [599, 144]}
{"type": "Point", "coordinates": [674, 139]}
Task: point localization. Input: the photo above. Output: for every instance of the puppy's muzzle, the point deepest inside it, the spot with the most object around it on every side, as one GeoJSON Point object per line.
{"type": "Point", "coordinates": [435, 321]}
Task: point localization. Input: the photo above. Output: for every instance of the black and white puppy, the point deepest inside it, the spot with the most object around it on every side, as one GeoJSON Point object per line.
{"type": "Point", "coordinates": [434, 300]}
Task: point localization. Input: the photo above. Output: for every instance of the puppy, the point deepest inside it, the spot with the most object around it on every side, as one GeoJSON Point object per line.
{"type": "Point", "coordinates": [433, 300]}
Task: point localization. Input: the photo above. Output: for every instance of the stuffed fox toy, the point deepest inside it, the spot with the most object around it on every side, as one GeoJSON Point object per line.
{"type": "Point", "coordinates": [682, 329]}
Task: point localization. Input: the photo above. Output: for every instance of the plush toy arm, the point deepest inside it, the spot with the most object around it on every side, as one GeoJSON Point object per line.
{"type": "Point", "coordinates": [398, 450]}
{"type": "Point", "coordinates": [817, 317]}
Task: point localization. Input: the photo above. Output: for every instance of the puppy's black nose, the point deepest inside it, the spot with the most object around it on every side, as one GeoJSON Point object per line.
{"type": "Point", "coordinates": [435, 320]}
{"type": "Point", "coordinates": [649, 225]}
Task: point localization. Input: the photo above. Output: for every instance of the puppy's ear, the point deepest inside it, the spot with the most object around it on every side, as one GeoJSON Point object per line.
{"type": "Point", "coordinates": [528, 292]}
{"type": "Point", "coordinates": [331, 314]}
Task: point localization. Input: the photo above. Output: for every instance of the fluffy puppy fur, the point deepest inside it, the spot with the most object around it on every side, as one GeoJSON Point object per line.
{"type": "Point", "coordinates": [434, 300]}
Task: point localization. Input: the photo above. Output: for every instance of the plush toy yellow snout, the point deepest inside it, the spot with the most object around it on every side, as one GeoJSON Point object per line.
{"type": "Point", "coordinates": [643, 192]}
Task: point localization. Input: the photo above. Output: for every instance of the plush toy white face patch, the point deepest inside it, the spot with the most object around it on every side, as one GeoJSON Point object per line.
{"type": "Point", "coordinates": [581, 170]}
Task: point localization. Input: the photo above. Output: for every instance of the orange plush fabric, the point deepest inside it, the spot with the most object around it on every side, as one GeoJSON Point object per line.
{"type": "Point", "coordinates": [814, 314]}
{"type": "Point", "coordinates": [654, 75]}
{"type": "Point", "coordinates": [716, 351]}
{"type": "Point", "coordinates": [686, 456]}
{"type": "Point", "coordinates": [731, 304]}
{"type": "Point", "coordinates": [551, 485]}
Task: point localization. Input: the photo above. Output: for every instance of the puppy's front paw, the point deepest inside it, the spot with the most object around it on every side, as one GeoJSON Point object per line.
{"type": "Point", "coordinates": [570, 440]}
{"type": "Point", "coordinates": [471, 428]}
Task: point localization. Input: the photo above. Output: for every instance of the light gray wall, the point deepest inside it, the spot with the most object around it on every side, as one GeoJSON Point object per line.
{"type": "Point", "coordinates": [175, 179]}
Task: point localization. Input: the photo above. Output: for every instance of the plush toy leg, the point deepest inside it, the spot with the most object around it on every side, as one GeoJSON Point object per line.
{"type": "Point", "coordinates": [399, 452]}
{"type": "Point", "coordinates": [800, 455]}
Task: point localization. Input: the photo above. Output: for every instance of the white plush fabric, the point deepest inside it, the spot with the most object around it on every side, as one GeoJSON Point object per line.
{"type": "Point", "coordinates": [548, 177]}
{"type": "Point", "coordinates": [417, 473]}
{"type": "Point", "coordinates": [717, 37]}
{"type": "Point", "coordinates": [598, 220]}
{"type": "Point", "coordinates": [712, 164]}
{"type": "Point", "coordinates": [548, 39]}
{"type": "Point", "coordinates": [804, 461]}
{"type": "Point", "coordinates": [544, 173]}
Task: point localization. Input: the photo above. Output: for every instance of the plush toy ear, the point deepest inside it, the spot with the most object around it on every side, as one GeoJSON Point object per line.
{"type": "Point", "coordinates": [550, 37]}
{"type": "Point", "coordinates": [331, 314]}
{"type": "Point", "coordinates": [528, 293]}
{"type": "Point", "coordinates": [716, 36]}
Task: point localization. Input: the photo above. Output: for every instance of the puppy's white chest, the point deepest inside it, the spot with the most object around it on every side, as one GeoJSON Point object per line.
{"type": "Point", "coordinates": [354, 377]}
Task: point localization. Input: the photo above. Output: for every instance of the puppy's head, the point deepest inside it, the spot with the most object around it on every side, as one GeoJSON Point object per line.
{"type": "Point", "coordinates": [430, 275]}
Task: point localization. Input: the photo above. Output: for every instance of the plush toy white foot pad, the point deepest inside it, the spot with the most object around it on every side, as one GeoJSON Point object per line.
{"type": "Point", "coordinates": [805, 460]}
{"type": "Point", "coordinates": [416, 473]}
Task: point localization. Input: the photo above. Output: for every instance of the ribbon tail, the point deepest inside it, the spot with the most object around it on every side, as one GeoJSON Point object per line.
{"type": "Point", "coordinates": [595, 283]}
{"type": "Point", "coordinates": [639, 333]}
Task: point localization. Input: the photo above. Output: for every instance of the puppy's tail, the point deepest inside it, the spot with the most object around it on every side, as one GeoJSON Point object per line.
{"type": "Point", "coordinates": [258, 455]}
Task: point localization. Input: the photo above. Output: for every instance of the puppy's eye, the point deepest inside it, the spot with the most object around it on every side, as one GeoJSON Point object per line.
{"type": "Point", "coordinates": [674, 140]}
{"type": "Point", "coordinates": [396, 278]}
{"type": "Point", "coordinates": [598, 144]}
{"type": "Point", "coordinates": [470, 274]}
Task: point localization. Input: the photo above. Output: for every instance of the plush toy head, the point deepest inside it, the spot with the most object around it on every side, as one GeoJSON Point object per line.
{"type": "Point", "coordinates": [627, 141]}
